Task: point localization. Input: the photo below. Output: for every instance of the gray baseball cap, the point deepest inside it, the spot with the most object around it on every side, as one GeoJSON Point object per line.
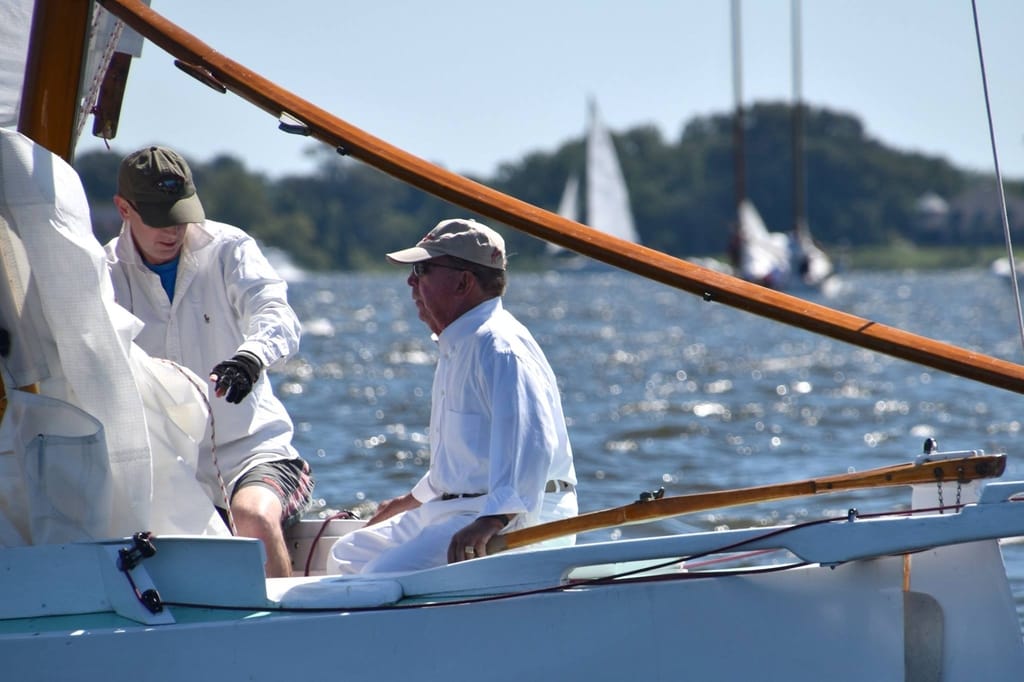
{"type": "Point", "coordinates": [158, 183]}
{"type": "Point", "coordinates": [462, 238]}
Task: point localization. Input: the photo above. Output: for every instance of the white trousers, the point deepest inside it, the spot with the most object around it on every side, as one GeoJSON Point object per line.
{"type": "Point", "coordinates": [419, 538]}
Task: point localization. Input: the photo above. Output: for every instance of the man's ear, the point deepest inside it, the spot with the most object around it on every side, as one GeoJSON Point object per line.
{"type": "Point", "coordinates": [122, 206]}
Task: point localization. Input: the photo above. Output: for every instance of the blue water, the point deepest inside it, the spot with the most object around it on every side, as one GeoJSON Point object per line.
{"type": "Point", "coordinates": [665, 390]}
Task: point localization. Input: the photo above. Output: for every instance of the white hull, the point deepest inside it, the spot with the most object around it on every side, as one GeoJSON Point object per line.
{"type": "Point", "coordinates": [693, 630]}
{"type": "Point", "coordinates": [944, 613]}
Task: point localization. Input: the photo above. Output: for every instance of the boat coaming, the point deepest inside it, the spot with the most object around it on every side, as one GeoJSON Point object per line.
{"type": "Point", "coordinates": [865, 598]}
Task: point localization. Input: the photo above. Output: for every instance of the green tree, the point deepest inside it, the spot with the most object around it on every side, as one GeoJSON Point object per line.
{"type": "Point", "coordinates": [858, 192]}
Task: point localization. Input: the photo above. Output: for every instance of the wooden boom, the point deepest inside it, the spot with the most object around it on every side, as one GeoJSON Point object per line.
{"type": "Point", "coordinates": [947, 470]}
{"type": "Point", "coordinates": [222, 73]}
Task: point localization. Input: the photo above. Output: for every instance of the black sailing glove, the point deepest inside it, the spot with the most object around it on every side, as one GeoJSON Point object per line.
{"type": "Point", "coordinates": [235, 377]}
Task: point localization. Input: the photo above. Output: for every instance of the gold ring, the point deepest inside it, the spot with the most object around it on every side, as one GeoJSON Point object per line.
{"type": "Point", "coordinates": [470, 551]}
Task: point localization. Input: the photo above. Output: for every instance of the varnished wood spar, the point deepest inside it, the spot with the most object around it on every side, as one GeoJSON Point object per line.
{"type": "Point", "coordinates": [53, 70]}
{"type": "Point", "coordinates": [951, 470]}
{"type": "Point", "coordinates": [713, 286]}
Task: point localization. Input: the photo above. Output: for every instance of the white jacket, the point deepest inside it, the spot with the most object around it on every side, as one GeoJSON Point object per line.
{"type": "Point", "coordinates": [227, 298]}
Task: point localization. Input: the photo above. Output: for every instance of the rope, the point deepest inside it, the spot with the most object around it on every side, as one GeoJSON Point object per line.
{"type": "Point", "coordinates": [343, 514]}
{"type": "Point", "coordinates": [999, 176]}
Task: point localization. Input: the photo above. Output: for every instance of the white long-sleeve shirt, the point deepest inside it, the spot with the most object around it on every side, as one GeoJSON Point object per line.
{"type": "Point", "coordinates": [496, 421]}
{"type": "Point", "coordinates": [227, 298]}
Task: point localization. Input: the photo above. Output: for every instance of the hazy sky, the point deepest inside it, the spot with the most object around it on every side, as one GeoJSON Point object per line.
{"type": "Point", "coordinates": [470, 84]}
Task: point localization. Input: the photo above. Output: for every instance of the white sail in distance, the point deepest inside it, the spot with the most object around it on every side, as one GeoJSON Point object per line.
{"type": "Point", "coordinates": [607, 198]}
{"type": "Point", "coordinates": [608, 206]}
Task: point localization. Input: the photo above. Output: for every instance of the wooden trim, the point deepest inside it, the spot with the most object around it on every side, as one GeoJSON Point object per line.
{"type": "Point", "coordinates": [710, 285]}
{"type": "Point", "coordinates": [951, 470]}
{"type": "Point", "coordinates": [49, 96]}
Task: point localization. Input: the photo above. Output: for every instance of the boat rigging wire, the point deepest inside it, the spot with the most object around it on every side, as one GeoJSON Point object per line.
{"type": "Point", "coordinates": [999, 176]}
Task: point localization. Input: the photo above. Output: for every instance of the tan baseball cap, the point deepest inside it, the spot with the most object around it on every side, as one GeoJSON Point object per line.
{"type": "Point", "coordinates": [459, 237]}
{"type": "Point", "coordinates": [158, 183]}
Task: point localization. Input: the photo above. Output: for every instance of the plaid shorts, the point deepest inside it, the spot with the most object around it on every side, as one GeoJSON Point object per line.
{"type": "Point", "coordinates": [290, 479]}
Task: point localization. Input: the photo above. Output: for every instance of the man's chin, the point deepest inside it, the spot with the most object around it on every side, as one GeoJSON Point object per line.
{"type": "Point", "coordinates": [429, 321]}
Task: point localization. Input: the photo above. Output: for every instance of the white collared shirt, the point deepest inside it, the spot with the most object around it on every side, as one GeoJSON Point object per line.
{"type": "Point", "coordinates": [496, 421]}
{"type": "Point", "coordinates": [227, 298]}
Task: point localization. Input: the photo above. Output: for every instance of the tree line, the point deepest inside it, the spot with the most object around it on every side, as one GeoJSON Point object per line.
{"type": "Point", "coordinates": [858, 192]}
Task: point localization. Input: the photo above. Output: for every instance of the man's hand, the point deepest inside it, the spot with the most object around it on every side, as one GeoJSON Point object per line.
{"type": "Point", "coordinates": [395, 505]}
{"type": "Point", "coordinates": [235, 378]}
{"type": "Point", "coordinates": [471, 541]}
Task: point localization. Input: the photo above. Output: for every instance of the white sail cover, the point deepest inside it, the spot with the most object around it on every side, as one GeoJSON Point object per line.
{"type": "Point", "coordinates": [15, 25]}
{"type": "Point", "coordinates": [109, 445]}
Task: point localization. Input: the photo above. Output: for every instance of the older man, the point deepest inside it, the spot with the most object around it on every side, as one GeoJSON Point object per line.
{"type": "Point", "coordinates": [500, 453]}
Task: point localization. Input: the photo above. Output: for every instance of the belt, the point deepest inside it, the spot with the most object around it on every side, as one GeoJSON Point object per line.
{"type": "Point", "coordinates": [549, 487]}
{"type": "Point", "coordinates": [455, 496]}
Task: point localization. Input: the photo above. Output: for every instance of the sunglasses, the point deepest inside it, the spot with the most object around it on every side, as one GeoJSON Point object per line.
{"type": "Point", "coordinates": [423, 267]}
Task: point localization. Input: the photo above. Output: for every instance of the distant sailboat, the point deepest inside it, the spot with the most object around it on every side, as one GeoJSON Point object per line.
{"type": "Point", "coordinates": [774, 259]}
{"type": "Point", "coordinates": [810, 263]}
{"type": "Point", "coordinates": [606, 197]}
